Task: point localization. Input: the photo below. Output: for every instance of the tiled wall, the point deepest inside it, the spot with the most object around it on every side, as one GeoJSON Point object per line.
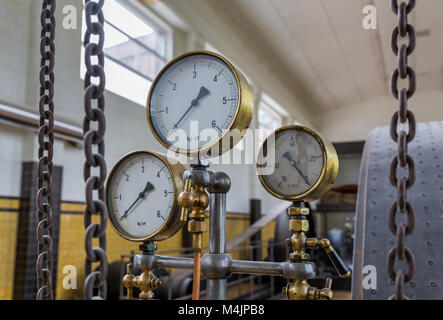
{"type": "Point", "coordinates": [71, 250]}
{"type": "Point", "coordinates": [8, 234]}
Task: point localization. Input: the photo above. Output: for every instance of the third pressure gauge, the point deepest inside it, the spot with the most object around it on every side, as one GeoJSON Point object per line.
{"type": "Point", "coordinates": [196, 101]}
{"type": "Point", "coordinates": [304, 165]}
{"type": "Point", "coordinates": [141, 194]}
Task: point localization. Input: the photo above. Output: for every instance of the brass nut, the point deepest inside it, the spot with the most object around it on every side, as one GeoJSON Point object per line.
{"type": "Point", "coordinates": [187, 199]}
{"type": "Point", "coordinates": [197, 226]}
{"type": "Point", "coordinates": [298, 225]}
{"type": "Point", "coordinates": [298, 256]}
{"type": "Point", "coordinates": [295, 211]}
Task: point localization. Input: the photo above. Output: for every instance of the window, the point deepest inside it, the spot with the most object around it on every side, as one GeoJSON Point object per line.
{"type": "Point", "coordinates": [270, 116]}
{"type": "Point", "coordinates": [135, 50]}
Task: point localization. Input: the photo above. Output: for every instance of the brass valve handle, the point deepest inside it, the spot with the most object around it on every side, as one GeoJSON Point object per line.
{"type": "Point", "coordinates": [184, 209]}
{"type": "Point", "coordinates": [128, 280]}
{"type": "Point", "coordinates": [326, 292]}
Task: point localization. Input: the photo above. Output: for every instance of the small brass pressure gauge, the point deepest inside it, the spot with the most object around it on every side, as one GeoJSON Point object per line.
{"type": "Point", "coordinates": [141, 196]}
{"type": "Point", "coordinates": [297, 165]}
{"type": "Point", "coordinates": [199, 103]}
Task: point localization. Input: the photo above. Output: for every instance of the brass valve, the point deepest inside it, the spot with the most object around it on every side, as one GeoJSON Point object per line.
{"type": "Point", "coordinates": [146, 282]}
{"type": "Point", "coordinates": [301, 290]}
{"type": "Point", "coordinates": [196, 199]}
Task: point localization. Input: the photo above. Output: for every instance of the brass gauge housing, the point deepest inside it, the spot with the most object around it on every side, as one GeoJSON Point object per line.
{"type": "Point", "coordinates": [297, 164]}
{"type": "Point", "coordinates": [141, 196]}
{"type": "Point", "coordinates": [205, 88]}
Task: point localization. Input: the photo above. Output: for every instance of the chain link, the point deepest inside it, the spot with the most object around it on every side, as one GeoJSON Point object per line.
{"type": "Point", "coordinates": [94, 139]}
{"type": "Point", "coordinates": [402, 138]}
{"type": "Point", "coordinates": [44, 262]}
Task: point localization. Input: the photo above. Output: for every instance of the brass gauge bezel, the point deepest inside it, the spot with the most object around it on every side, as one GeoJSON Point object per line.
{"type": "Point", "coordinates": [327, 176]}
{"type": "Point", "coordinates": [240, 122]}
{"type": "Point", "coordinates": [173, 224]}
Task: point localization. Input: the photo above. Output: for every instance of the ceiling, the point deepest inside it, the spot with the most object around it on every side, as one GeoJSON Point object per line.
{"type": "Point", "coordinates": [320, 48]}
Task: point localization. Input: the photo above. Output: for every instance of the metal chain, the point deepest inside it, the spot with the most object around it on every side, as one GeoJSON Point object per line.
{"type": "Point", "coordinates": [402, 138]}
{"type": "Point", "coordinates": [44, 263]}
{"type": "Point", "coordinates": [94, 138]}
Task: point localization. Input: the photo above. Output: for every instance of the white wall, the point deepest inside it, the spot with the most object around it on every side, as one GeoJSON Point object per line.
{"type": "Point", "coordinates": [354, 122]}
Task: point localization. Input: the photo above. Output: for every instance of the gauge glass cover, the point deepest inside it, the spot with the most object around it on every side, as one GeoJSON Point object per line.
{"type": "Point", "coordinates": [299, 161]}
{"type": "Point", "coordinates": [200, 89]}
{"type": "Point", "coordinates": [140, 195]}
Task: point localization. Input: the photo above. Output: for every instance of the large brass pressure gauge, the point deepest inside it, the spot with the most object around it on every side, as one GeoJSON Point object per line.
{"type": "Point", "coordinates": [141, 196]}
{"type": "Point", "coordinates": [297, 164]}
{"type": "Point", "coordinates": [199, 103]}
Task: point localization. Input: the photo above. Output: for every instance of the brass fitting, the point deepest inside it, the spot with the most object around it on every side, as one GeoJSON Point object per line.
{"type": "Point", "coordinates": [297, 211]}
{"type": "Point", "coordinates": [301, 290]}
{"type": "Point", "coordinates": [146, 282]}
{"type": "Point", "coordinates": [297, 225]}
{"type": "Point", "coordinates": [196, 199]}
{"type": "Point", "coordinates": [197, 226]}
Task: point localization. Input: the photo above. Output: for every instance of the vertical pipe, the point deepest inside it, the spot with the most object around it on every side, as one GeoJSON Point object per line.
{"type": "Point", "coordinates": [254, 216]}
{"type": "Point", "coordinates": [216, 288]}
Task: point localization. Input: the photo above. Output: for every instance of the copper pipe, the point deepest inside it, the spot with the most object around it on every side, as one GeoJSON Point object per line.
{"type": "Point", "coordinates": [196, 281]}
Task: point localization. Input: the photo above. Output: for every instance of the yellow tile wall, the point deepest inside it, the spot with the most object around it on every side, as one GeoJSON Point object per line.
{"type": "Point", "coordinates": [8, 239]}
{"type": "Point", "coordinates": [71, 250]}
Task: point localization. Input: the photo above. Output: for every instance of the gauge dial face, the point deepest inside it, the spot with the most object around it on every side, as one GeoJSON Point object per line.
{"type": "Point", "coordinates": [299, 161]}
{"type": "Point", "coordinates": [140, 195]}
{"type": "Point", "coordinates": [197, 89]}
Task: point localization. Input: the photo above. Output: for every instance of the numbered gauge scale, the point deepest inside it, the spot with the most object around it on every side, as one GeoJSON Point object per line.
{"type": "Point", "coordinates": [141, 193]}
{"type": "Point", "coordinates": [199, 103]}
{"type": "Point", "coordinates": [297, 164]}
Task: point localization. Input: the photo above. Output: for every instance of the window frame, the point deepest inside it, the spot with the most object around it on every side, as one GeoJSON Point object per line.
{"type": "Point", "coordinates": [150, 18]}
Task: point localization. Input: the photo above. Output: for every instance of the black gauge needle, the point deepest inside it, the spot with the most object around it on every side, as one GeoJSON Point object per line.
{"type": "Point", "coordinates": [203, 93]}
{"type": "Point", "coordinates": [293, 164]}
{"type": "Point", "coordinates": [141, 195]}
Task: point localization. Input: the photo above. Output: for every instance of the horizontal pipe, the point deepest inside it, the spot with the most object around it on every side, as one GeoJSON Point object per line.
{"type": "Point", "coordinates": [222, 266]}
{"type": "Point", "coordinates": [25, 116]}
{"type": "Point", "coordinates": [174, 262]}
{"type": "Point", "coordinates": [256, 267]}
{"type": "Point", "coordinates": [236, 266]}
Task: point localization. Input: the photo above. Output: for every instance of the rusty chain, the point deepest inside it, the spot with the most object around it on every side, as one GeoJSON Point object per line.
{"type": "Point", "coordinates": [400, 252]}
{"type": "Point", "coordinates": [94, 138]}
{"type": "Point", "coordinates": [44, 263]}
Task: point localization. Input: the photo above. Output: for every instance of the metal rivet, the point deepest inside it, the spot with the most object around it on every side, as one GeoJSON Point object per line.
{"type": "Point", "coordinates": [428, 243]}
{"type": "Point", "coordinates": [431, 262]}
{"type": "Point", "coordinates": [373, 251]}
{"type": "Point", "coordinates": [412, 284]}
{"type": "Point", "coordinates": [427, 224]}
{"type": "Point", "coordinates": [432, 284]}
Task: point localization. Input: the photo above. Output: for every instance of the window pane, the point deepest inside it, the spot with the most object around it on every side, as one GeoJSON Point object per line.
{"type": "Point", "coordinates": [131, 53]}
{"type": "Point", "coordinates": [122, 81]}
{"type": "Point", "coordinates": [136, 28]}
